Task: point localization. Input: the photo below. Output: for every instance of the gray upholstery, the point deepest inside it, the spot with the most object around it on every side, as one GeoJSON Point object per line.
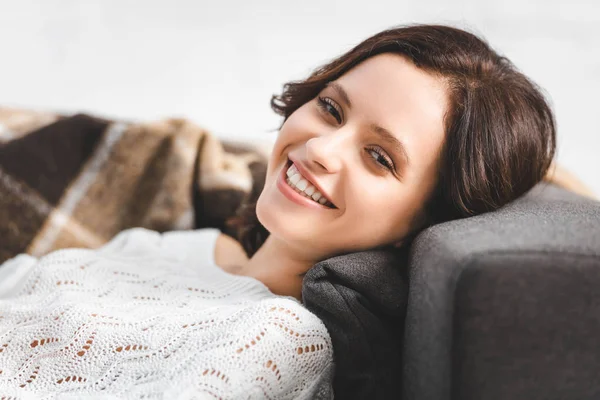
{"type": "Point", "coordinates": [506, 305]}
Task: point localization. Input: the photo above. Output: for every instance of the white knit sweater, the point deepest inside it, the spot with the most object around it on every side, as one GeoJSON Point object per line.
{"type": "Point", "coordinates": [151, 315]}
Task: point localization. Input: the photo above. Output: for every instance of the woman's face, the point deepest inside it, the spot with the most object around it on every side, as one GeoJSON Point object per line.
{"type": "Point", "coordinates": [376, 190]}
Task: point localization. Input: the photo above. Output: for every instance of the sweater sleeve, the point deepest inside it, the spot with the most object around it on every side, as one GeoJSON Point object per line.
{"type": "Point", "coordinates": [291, 354]}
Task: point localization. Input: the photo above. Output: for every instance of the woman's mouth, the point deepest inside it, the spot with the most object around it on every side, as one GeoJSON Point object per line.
{"type": "Point", "coordinates": [299, 190]}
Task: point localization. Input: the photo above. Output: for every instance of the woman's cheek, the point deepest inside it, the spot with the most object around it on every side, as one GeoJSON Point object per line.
{"type": "Point", "coordinates": [300, 124]}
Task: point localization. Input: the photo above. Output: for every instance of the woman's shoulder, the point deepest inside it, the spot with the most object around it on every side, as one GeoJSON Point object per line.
{"type": "Point", "coordinates": [228, 252]}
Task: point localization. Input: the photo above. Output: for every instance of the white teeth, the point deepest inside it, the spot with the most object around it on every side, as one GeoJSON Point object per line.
{"type": "Point", "coordinates": [302, 184]}
{"type": "Point", "coordinates": [316, 196]}
{"type": "Point", "coordinates": [295, 178]}
{"type": "Point", "coordinates": [292, 170]}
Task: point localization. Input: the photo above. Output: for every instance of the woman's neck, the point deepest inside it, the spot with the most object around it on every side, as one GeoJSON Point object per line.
{"type": "Point", "coordinates": [279, 268]}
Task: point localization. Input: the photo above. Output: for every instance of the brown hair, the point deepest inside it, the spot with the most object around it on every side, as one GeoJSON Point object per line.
{"type": "Point", "coordinates": [500, 131]}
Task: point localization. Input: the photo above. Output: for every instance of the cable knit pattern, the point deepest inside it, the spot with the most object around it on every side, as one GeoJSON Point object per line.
{"type": "Point", "coordinates": [150, 315]}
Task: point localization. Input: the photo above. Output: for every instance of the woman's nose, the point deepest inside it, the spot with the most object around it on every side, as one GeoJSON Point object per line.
{"type": "Point", "coordinates": [327, 151]}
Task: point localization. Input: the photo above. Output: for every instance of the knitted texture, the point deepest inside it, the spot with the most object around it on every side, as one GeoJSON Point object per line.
{"type": "Point", "coordinates": [150, 315]}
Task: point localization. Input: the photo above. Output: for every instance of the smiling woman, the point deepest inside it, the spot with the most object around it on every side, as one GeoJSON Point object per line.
{"type": "Point", "coordinates": [414, 126]}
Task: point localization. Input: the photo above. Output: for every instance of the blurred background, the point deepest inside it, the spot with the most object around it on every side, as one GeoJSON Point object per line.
{"type": "Point", "coordinates": [218, 63]}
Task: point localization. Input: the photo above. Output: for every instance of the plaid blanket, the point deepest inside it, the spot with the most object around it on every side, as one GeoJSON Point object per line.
{"type": "Point", "coordinates": [76, 181]}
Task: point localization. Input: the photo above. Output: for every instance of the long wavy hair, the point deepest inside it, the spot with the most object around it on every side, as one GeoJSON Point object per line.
{"type": "Point", "coordinates": [500, 136]}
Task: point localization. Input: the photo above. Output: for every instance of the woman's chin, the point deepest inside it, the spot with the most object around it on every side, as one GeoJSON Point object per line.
{"type": "Point", "coordinates": [284, 221]}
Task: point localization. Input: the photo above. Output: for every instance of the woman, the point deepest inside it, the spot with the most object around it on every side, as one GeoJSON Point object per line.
{"type": "Point", "coordinates": [414, 126]}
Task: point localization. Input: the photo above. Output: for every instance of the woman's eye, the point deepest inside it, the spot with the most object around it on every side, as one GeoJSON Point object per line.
{"type": "Point", "coordinates": [327, 105]}
{"type": "Point", "coordinates": [380, 158]}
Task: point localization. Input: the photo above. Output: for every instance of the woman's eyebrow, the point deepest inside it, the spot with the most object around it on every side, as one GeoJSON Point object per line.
{"type": "Point", "coordinates": [393, 141]}
{"type": "Point", "coordinates": [341, 92]}
{"type": "Point", "coordinates": [383, 133]}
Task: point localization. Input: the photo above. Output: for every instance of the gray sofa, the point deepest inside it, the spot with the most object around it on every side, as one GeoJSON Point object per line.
{"type": "Point", "coordinates": [506, 305]}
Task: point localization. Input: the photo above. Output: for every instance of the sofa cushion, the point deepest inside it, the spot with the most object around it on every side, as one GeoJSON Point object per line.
{"type": "Point", "coordinates": [361, 298]}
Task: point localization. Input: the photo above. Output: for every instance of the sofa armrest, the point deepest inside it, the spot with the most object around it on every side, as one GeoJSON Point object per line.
{"type": "Point", "coordinates": [506, 304]}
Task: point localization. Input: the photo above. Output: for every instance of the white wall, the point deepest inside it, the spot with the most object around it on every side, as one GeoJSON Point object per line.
{"type": "Point", "coordinates": [219, 62]}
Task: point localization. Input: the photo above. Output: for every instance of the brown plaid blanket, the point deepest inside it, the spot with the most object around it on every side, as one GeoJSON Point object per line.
{"type": "Point", "coordinates": [76, 181]}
